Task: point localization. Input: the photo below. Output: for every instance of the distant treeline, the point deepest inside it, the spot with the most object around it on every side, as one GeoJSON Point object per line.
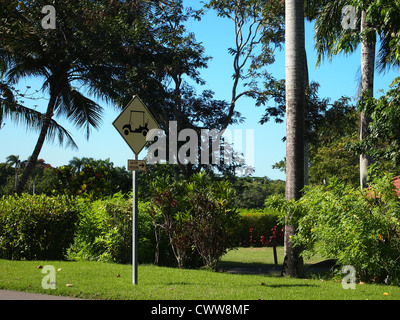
{"type": "Point", "coordinates": [99, 179]}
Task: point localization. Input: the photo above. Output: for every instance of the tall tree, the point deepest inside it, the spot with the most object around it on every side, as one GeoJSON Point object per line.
{"type": "Point", "coordinates": [173, 100]}
{"type": "Point", "coordinates": [368, 44]}
{"type": "Point", "coordinates": [81, 51]}
{"type": "Point", "coordinates": [259, 31]}
{"type": "Point", "coordinates": [335, 34]}
{"type": "Point", "coordinates": [295, 105]}
{"type": "Point", "coordinates": [11, 106]}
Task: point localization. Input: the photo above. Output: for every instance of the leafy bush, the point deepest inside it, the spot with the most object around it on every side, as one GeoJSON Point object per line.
{"type": "Point", "coordinates": [256, 226]}
{"type": "Point", "coordinates": [36, 227]}
{"type": "Point", "coordinates": [197, 214]}
{"type": "Point", "coordinates": [357, 228]}
{"type": "Point", "coordinates": [212, 218]}
{"type": "Point", "coordinates": [104, 232]}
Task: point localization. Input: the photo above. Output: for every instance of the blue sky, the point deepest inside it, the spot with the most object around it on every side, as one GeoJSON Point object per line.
{"type": "Point", "coordinates": [337, 78]}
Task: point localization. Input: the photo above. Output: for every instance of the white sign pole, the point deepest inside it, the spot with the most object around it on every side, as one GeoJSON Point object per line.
{"type": "Point", "coordinates": [135, 237]}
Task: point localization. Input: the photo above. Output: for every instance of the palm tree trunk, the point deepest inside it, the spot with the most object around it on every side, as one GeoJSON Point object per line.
{"type": "Point", "coordinates": [368, 44]}
{"type": "Point", "coordinates": [43, 133]}
{"type": "Point", "coordinates": [295, 101]}
{"type": "Point", "coordinates": [16, 176]}
{"type": "Point", "coordinates": [306, 142]}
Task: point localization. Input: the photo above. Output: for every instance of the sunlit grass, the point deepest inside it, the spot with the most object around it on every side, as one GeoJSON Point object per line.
{"type": "Point", "coordinates": [94, 280]}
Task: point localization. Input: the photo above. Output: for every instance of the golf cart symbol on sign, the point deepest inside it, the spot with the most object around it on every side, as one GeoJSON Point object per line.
{"type": "Point", "coordinates": [135, 124]}
{"type": "Point", "coordinates": [130, 128]}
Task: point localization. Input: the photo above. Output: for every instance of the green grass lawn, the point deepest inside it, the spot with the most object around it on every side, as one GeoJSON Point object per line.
{"type": "Point", "coordinates": [95, 280]}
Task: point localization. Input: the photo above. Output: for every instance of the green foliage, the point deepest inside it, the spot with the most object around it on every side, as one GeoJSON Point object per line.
{"type": "Point", "coordinates": [288, 209]}
{"type": "Point", "coordinates": [212, 217]}
{"type": "Point", "coordinates": [195, 214]}
{"type": "Point", "coordinates": [104, 232]}
{"type": "Point", "coordinates": [335, 160]}
{"type": "Point", "coordinates": [330, 130]}
{"type": "Point", "coordinates": [36, 227]}
{"type": "Point", "coordinates": [356, 228]}
{"type": "Point", "coordinates": [94, 178]}
{"type": "Point", "coordinates": [154, 172]}
{"type": "Point", "coordinates": [384, 19]}
{"type": "Point", "coordinates": [383, 142]}
{"type": "Point", "coordinates": [251, 192]}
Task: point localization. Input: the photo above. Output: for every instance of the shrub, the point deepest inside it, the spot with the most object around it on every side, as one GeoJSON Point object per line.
{"type": "Point", "coordinates": [357, 228]}
{"type": "Point", "coordinates": [36, 227]}
{"type": "Point", "coordinates": [104, 232]}
{"type": "Point", "coordinates": [212, 218]}
{"type": "Point", "coordinates": [197, 214]}
{"type": "Point", "coordinates": [167, 198]}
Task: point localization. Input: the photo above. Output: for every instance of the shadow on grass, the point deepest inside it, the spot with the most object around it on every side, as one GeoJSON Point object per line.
{"type": "Point", "coordinates": [311, 270]}
{"type": "Point", "coordinates": [289, 285]}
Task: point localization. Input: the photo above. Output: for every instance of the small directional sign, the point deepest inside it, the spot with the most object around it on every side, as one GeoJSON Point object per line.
{"type": "Point", "coordinates": [136, 165]}
{"type": "Point", "coordinates": [135, 123]}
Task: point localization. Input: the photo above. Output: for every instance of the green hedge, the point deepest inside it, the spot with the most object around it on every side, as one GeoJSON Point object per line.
{"type": "Point", "coordinates": [104, 232]}
{"type": "Point", "coordinates": [36, 227]}
{"type": "Point", "coordinates": [55, 228]}
{"type": "Point", "coordinates": [256, 225]}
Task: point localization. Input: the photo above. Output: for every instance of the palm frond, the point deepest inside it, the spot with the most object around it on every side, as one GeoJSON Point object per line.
{"type": "Point", "coordinates": [330, 37]}
{"type": "Point", "coordinates": [33, 120]}
{"type": "Point", "coordinates": [79, 110]}
{"type": "Point", "coordinates": [63, 135]}
{"type": "Point", "coordinates": [386, 59]}
{"type": "Point", "coordinates": [28, 67]}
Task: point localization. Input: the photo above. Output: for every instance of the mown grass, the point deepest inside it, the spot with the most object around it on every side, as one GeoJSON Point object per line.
{"type": "Point", "coordinates": [252, 256]}
{"type": "Point", "coordinates": [108, 281]}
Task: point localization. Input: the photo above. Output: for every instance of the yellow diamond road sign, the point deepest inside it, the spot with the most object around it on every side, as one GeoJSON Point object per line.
{"type": "Point", "coordinates": [134, 124]}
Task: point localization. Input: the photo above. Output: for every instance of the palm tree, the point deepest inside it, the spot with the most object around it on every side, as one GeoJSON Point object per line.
{"type": "Point", "coordinates": [14, 161]}
{"type": "Point", "coordinates": [295, 104]}
{"type": "Point", "coordinates": [38, 168]}
{"type": "Point", "coordinates": [368, 44]}
{"type": "Point", "coordinates": [62, 61]}
{"type": "Point", "coordinates": [12, 109]}
{"type": "Point", "coordinates": [332, 38]}
{"type": "Point", "coordinates": [77, 163]}
{"type": "Point", "coordinates": [32, 119]}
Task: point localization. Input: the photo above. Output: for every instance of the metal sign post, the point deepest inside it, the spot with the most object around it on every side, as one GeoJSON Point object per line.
{"type": "Point", "coordinates": [135, 238]}
{"type": "Point", "coordinates": [135, 124]}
